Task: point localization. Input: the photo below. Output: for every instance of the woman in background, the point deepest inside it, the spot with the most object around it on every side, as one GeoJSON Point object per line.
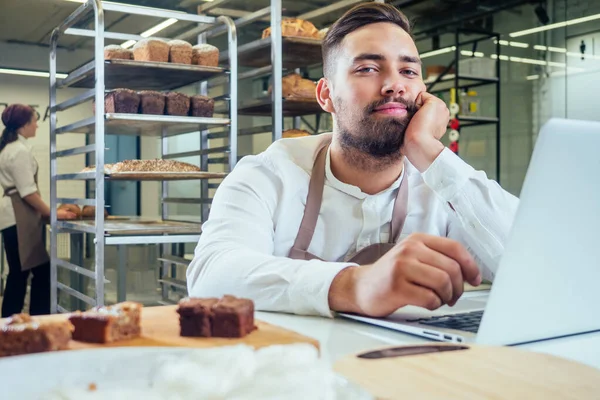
{"type": "Point", "coordinates": [22, 211]}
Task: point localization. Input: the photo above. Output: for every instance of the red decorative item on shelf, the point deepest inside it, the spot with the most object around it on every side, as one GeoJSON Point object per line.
{"type": "Point", "coordinates": [453, 147]}
{"type": "Point", "coordinates": [454, 124]}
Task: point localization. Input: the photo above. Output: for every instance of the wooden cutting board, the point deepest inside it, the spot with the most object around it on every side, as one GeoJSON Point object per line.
{"type": "Point", "coordinates": [160, 327]}
{"type": "Point", "coordinates": [475, 372]}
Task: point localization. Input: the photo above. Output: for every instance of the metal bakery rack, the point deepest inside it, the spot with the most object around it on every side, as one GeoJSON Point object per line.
{"type": "Point", "coordinates": [96, 77]}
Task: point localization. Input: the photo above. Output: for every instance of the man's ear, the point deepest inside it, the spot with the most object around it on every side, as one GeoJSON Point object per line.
{"type": "Point", "coordinates": [324, 95]}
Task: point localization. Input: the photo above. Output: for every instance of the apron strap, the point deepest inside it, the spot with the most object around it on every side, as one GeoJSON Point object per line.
{"type": "Point", "coordinates": [313, 205]}
{"type": "Point", "coordinates": [400, 209]}
{"type": "Point", "coordinates": [10, 191]}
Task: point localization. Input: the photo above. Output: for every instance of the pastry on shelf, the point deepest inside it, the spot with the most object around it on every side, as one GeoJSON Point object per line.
{"type": "Point", "coordinates": [205, 54]}
{"type": "Point", "coordinates": [90, 212]}
{"type": "Point", "coordinates": [177, 104]}
{"type": "Point", "coordinates": [121, 101]}
{"type": "Point", "coordinates": [74, 208]}
{"type": "Point", "coordinates": [294, 133]}
{"type": "Point", "coordinates": [201, 106]}
{"type": "Point", "coordinates": [108, 324]}
{"type": "Point", "coordinates": [116, 52]}
{"type": "Point", "coordinates": [228, 317]}
{"type": "Point", "coordinates": [152, 102]}
{"type": "Point", "coordinates": [22, 334]}
{"type": "Point", "coordinates": [151, 50]}
{"type": "Point", "coordinates": [294, 86]}
{"type": "Point", "coordinates": [156, 165]}
{"type": "Point", "coordinates": [295, 27]}
{"type": "Point", "coordinates": [180, 52]}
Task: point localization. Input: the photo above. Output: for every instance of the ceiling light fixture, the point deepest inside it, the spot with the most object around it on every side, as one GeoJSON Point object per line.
{"type": "Point", "coordinates": [556, 25]}
{"type": "Point", "coordinates": [24, 72]}
{"type": "Point", "coordinates": [155, 29]}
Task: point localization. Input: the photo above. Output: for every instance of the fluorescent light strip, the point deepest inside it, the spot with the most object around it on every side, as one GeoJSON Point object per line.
{"type": "Point", "coordinates": [533, 77]}
{"type": "Point", "coordinates": [512, 44]}
{"type": "Point", "coordinates": [25, 72]}
{"type": "Point", "coordinates": [555, 25]}
{"type": "Point", "coordinates": [437, 52]}
{"type": "Point", "coordinates": [155, 29]}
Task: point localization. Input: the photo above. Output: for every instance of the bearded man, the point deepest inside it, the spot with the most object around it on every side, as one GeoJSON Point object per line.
{"type": "Point", "coordinates": [369, 218]}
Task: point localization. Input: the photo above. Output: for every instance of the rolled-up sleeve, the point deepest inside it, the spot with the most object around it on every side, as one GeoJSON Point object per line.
{"type": "Point", "coordinates": [21, 168]}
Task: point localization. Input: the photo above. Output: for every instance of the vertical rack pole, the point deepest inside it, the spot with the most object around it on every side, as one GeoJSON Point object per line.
{"type": "Point", "coordinates": [53, 182]}
{"type": "Point", "coordinates": [203, 146]}
{"type": "Point", "coordinates": [233, 90]}
{"type": "Point", "coordinates": [498, 99]}
{"type": "Point", "coordinates": [164, 148]}
{"type": "Point", "coordinates": [99, 141]}
{"type": "Point", "coordinates": [277, 65]}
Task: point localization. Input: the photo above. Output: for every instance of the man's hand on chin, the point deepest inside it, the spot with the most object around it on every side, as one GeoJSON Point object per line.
{"type": "Point", "coordinates": [422, 138]}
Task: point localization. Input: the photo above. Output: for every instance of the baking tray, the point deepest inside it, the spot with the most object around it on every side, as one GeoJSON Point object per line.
{"type": "Point", "coordinates": [140, 75]}
{"type": "Point", "coordinates": [142, 226]}
{"type": "Point", "coordinates": [164, 176]}
{"type": "Point", "coordinates": [297, 52]}
{"type": "Point", "coordinates": [145, 124]}
{"type": "Point", "coordinates": [292, 107]}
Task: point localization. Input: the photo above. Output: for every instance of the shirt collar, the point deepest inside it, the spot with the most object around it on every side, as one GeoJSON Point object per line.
{"type": "Point", "coordinates": [355, 190]}
{"type": "Point", "coordinates": [23, 140]}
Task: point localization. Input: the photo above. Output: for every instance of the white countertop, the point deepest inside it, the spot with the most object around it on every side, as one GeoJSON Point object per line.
{"type": "Point", "coordinates": [341, 337]}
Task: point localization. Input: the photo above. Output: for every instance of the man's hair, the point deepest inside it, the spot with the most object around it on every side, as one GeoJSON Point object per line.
{"type": "Point", "coordinates": [357, 17]}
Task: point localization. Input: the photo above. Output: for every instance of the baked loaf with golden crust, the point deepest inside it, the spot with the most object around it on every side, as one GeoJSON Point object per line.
{"type": "Point", "coordinates": [151, 50]}
{"type": "Point", "coordinates": [180, 52]}
{"type": "Point", "coordinates": [294, 133]}
{"type": "Point", "coordinates": [116, 52]}
{"type": "Point", "coordinates": [295, 86]}
{"type": "Point", "coordinates": [74, 208]}
{"type": "Point", "coordinates": [295, 27]}
{"type": "Point", "coordinates": [90, 212]}
{"type": "Point", "coordinates": [206, 55]}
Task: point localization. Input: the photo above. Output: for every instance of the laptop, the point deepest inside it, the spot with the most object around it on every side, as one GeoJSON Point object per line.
{"type": "Point", "coordinates": [547, 282]}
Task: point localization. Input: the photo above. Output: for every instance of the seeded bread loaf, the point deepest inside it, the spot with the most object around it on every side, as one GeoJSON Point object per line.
{"type": "Point", "coordinates": [295, 27]}
{"type": "Point", "coordinates": [116, 52]}
{"type": "Point", "coordinates": [177, 104]}
{"type": "Point", "coordinates": [152, 102]}
{"type": "Point", "coordinates": [205, 54]}
{"type": "Point", "coordinates": [121, 101]}
{"type": "Point", "coordinates": [151, 50]}
{"type": "Point", "coordinates": [180, 52]}
{"type": "Point", "coordinates": [201, 106]}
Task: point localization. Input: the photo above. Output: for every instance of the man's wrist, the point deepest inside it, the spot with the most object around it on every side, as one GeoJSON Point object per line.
{"type": "Point", "coordinates": [342, 292]}
{"type": "Point", "coordinates": [422, 154]}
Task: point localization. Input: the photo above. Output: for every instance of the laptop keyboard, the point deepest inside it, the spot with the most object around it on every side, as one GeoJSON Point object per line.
{"type": "Point", "coordinates": [463, 322]}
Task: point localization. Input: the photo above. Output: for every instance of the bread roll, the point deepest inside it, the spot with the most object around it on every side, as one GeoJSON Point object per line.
{"type": "Point", "coordinates": [294, 133]}
{"type": "Point", "coordinates": [74, 208]}
{"type": "Point", "coordinates": [295, 27]}
{"type": "Point", "coordinates": [90, 212]}
{"type": "Point", "coordinates": [206, 55]}
{"type": "Point", "coordinates": [151, 50]}
{"type": "Point", "coordinates": [295, 87]}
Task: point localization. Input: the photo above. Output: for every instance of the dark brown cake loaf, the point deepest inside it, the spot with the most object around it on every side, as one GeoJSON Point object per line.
{"type": "Point", "coordinates": [21, 334]}
{"type": "Point", "coordinates": [195, 316]}
{"type": "Point", "coordinates": [228, 317]}
{"type": "Point", "coordinates": [152, 102]}
{"type": "Point", "coordinates": [108, 323]}
{"type": "Point", "coordinates": [177, 104]}
{"type": "Point", "coordinates": [201, 106]}
{"type": "Point", "coordinates": [121, 101]}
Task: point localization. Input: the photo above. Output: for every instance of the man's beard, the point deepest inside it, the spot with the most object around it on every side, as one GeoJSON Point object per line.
{"type": "Point", "coordinates": [374, 143]}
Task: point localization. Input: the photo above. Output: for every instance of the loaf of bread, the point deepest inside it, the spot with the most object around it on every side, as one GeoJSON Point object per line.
{"type": "Point", "coordinates": [74, 208]}
{"type": "Point", "coordinates": [151, 50]}
{"type": "Point", "coordinates": [90, 212]}
{"type": "Point", "coordinates": [180, 52]}
{"type": "Point", "coordinates": [201, 106]}
{"type": "Point", "coordinates": [323, 32]}
{"type": "Point", "coordinates": [294, 86]}
{"type": "Point", "coordinates": [116, 52]}
{"type": "Point", "coordinates": [177, 104]}
{"type": "Point", "coordinates": [295, 27]}
{"type": "Point", "coordinates": [152, 102]}
{"type": "Point", "coordinates": [294, 133]}
{"type": "Point", "coordinates": [205, 54]}
{"type": "Point", "coordinates": [107, 168]}
{"type": "Point", "coordinates": [121, 101]}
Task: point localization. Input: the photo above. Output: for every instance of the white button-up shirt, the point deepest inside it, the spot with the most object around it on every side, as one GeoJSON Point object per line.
{"type": "Point", "coordinates": [17, 169]}
{"type": "Point", "coordinates": [257, 210]}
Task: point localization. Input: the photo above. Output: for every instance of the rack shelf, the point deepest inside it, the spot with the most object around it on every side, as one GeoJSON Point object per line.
{"type": "Point", "coordinates": [145, 125]}
{"type": "Point", "coordinates": [134, 226]}
{"type": "Point", "coordinates": [291, 107]}
{"type": "Point", "coordinates": [296, 51]}
{"type": "Point", "coordinates": [146, 176]}
{"type": "Point", "coordinates": [464, 81]}
{"type": "Point", "coordinates": [140, 75]}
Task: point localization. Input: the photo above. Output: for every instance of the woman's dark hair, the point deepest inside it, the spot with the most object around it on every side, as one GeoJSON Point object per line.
{"type": "Point", "coordinates": [14, 117]}
{"type": "Point", "coordinates": [357, 17]}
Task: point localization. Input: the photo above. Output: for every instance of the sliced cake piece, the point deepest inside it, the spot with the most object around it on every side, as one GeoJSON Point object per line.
{"type": "Point", "coordinates": [108, 323]}
{"type": "Point", "coordinates": [22, 334]}
{"type": "Point", "coordinates": [232, 317]}
{"type": "Point", "coordinates": [195, 315]}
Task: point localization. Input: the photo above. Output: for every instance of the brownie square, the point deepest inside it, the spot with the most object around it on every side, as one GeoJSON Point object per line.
{"type": "Point", "coordinates": [195, 316]}
{"type": "Point", "coordinates": [108, 323]}
{"type": "Point", "coordinates": [232, 317]}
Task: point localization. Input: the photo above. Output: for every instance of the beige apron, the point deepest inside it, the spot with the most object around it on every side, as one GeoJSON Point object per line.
{"type": "Point", "coordinates": [369, 254]}
{"type": "Point", "coordinates": [30, 229]}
